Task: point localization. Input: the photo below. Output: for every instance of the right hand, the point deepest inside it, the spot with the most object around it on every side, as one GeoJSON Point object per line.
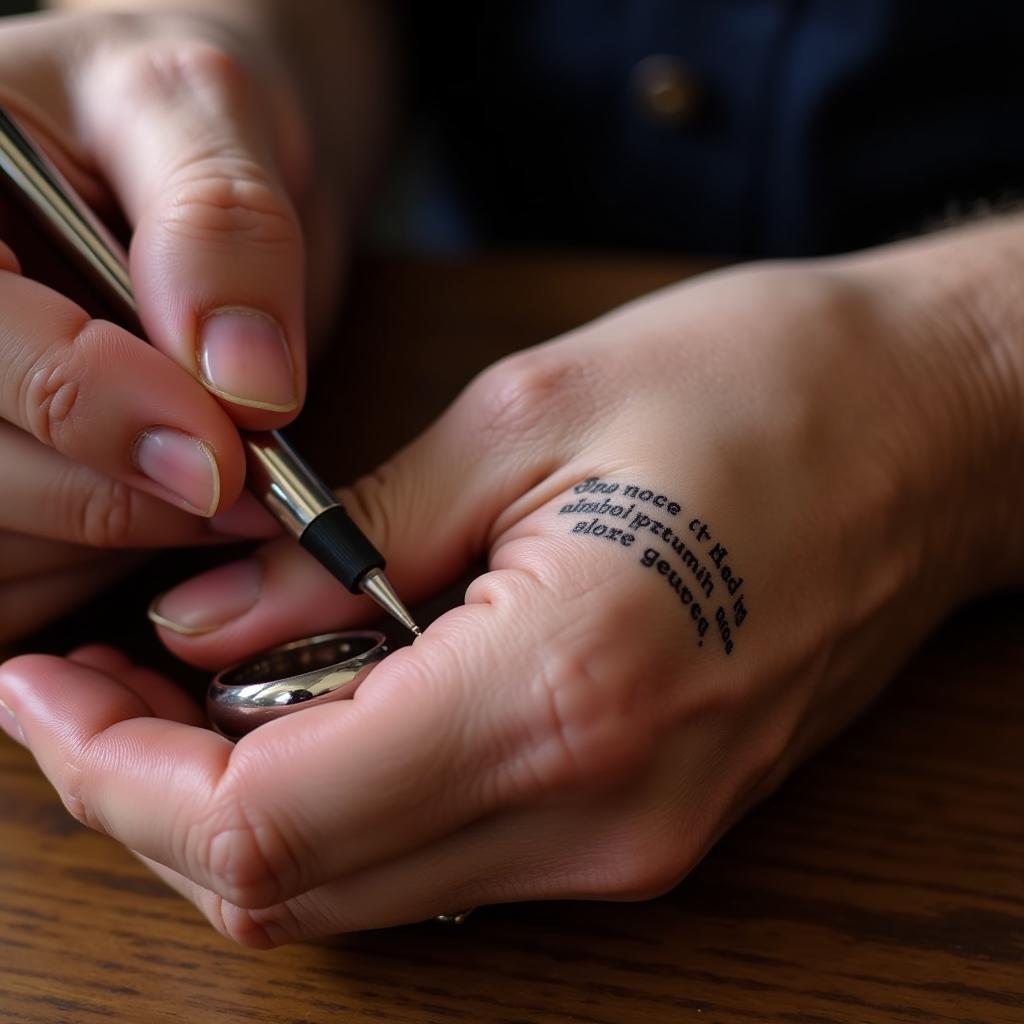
{"type": "Point", "coordinates": [107, 443]}
{"type": "Point", "coordinates": [817, 455]}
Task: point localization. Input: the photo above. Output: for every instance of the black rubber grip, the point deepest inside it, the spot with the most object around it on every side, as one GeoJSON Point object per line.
{"type": "Point", "coordinates": [337, 543]}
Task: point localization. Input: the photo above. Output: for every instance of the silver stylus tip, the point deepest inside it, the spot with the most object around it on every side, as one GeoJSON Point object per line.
{"type": "Point", "coordinates": [375, 584]}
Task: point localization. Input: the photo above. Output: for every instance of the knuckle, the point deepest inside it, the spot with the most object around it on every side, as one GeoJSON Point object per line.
{"type": "Point", "coordinates": [102, 514]}
{"type": "Point", "coordinates": [204, 63]}
{"type": "Point", "coordinates": [233, 862]}
{"type": "Point", "coordinates": [523, 394]}
{"type": "Point", "coordinates": [224, 197]}
{"type": "Point", "coordinates": [243, 857]}
{"type": "Point", "coordinates": [52, 395]}
{"type": "Point", "coordinates": [185, 68]}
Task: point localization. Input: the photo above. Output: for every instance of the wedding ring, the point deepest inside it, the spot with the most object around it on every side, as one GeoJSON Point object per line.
{"type": "Point", "coordinates": [302, 674]}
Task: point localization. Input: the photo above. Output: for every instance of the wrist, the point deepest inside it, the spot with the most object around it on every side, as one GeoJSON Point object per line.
{"type": "Point", "coordinates": [959, 311]}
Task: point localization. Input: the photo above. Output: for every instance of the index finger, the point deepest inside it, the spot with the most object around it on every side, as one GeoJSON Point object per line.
{"type": "Point", "coordinates": [180, 127]}
{"type": "Point", "coordinates": [99, 396]}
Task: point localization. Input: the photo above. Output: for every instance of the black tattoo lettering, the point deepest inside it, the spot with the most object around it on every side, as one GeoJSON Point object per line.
{"type": "Point", "coordinates": [692, 563]}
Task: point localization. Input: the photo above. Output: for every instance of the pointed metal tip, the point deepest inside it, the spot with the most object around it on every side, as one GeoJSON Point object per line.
{"type": "Point", "coordinates": [376, 585]}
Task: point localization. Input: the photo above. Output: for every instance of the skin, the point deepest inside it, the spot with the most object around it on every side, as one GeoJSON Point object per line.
{"type": "Point", "coordinates": [847, 427]}
{"type": "Point", "coordinates": [197, 125]}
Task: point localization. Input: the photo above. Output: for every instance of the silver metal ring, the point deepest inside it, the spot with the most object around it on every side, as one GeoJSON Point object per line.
{"type": "Point", "coordinates": [290, 678]}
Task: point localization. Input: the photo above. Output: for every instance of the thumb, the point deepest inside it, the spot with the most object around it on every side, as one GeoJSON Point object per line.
{"type": "Point", "coordinates": [433, 510]}
{"type": "Point", "coordinates": [177, 126]}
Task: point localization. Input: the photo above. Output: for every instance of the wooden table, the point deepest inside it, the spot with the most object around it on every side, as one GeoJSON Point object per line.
{"type": "Point", "coordinates": [885, 882]}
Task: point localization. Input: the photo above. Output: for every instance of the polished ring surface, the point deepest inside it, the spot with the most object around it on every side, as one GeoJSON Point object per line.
{"type": "Point", "coordinates": [290, 678]}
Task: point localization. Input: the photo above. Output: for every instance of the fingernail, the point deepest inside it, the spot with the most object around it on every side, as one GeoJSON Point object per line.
{"type": "Point", "coordinates": [244, 358]}
{"type": "Point", "coordinates": [210, 601]}
{"type": "Point", "coordinates": [9, 723]}
{"type": "Point", "coordinates": [181, 463]}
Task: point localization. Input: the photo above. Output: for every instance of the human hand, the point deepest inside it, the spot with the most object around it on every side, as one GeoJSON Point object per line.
{"type": "Point", "coordinates": [576, 729]}
{"type": "Point", "coordinates": [107, 443]}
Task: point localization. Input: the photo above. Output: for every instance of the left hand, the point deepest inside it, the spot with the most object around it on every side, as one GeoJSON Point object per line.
{"type": "Point", "coordinates": [193, 127]}
{"type": "Point", "coordinates": [599, 710]}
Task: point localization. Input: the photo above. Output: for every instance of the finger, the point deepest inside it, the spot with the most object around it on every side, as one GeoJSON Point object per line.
{"type": "Point", "coordinates": [153, 784]}
{"type": "Point", "coordinates": [101, 397]}
{"type": "Point", "coordinates": [179, 128]}
{"type": "Point", "coordinates": [600, 848]}
{"type": "Point", "coordinates": [231, 921]}
{"type": "Point", "coordinates": [49, 495]}
{"type": "Point", "coordinates": [162, 700]}
{"type": "Point", "coordinates": [148, 782]}
{"type": "Point", "coordinates": [565, 851]}
{"type": "Point", "coordinates": [28, 604]}
{"type": "Point", "coordinates": [107, 660]}
{"type": "Point", "coordinates": [432, 510]}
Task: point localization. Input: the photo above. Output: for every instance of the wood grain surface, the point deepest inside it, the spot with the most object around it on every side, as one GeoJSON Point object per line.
{"type": "Point", "coordinates": [884, 882]}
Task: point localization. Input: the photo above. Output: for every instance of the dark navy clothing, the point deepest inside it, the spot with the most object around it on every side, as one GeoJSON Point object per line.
{"type": "Point", "coordinates": [823, 125]}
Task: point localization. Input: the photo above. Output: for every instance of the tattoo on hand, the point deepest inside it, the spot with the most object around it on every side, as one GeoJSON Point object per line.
{"type": "Point", "coordinates": [693, 563]}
